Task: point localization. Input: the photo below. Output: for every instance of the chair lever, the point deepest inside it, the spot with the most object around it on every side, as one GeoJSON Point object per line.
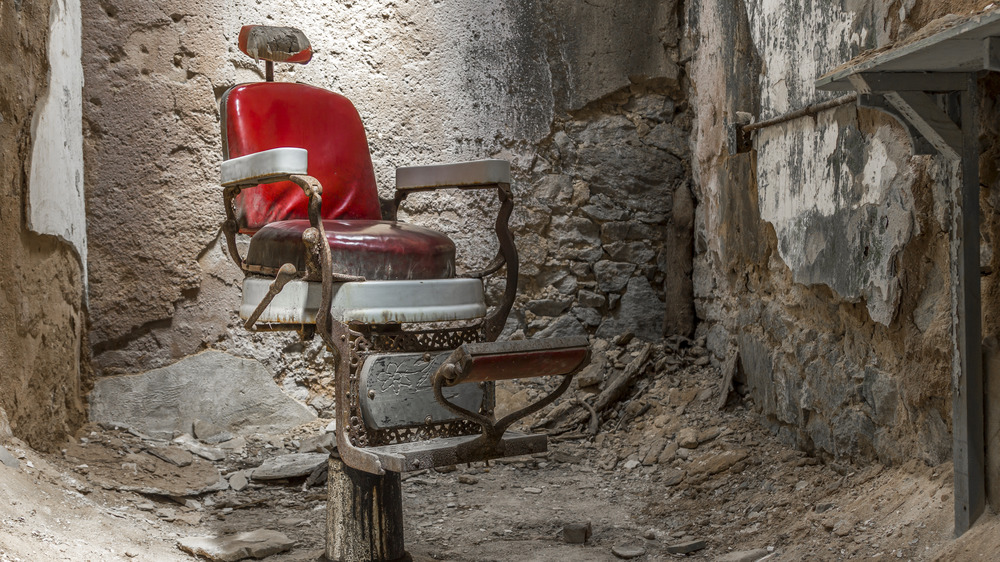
{"type": "Point", "coordinates": [285, 274]}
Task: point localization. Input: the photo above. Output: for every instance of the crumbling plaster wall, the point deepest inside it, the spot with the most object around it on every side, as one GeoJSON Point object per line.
{"type": "Point", "coordinates": [43, 318]}
{"type": "Point", "coordinates": [822, 255]}
{"type": "Point", "coordinates": [587, 100]}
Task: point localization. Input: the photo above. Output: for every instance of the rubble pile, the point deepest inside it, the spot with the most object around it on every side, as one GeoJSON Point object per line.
{"type": "Point", "coordinates": [654, 453]}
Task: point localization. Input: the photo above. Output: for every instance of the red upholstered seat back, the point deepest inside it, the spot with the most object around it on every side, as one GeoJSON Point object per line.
{"type": "Point", "coordinates": [269, 115]}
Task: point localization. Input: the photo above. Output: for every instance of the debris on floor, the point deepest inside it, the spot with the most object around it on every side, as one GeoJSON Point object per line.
{"type": "Point", "coordinates": [642, 465]}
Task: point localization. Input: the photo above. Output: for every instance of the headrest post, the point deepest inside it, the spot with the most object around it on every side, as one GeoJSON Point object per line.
{"type": "Point", "coordinates": [269, 71]}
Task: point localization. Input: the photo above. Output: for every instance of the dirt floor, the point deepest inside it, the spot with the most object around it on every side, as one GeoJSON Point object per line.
{"type": "Point", "coordinates": [734, 493]}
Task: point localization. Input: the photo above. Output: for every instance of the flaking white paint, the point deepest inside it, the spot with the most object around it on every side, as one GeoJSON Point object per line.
{"type": "Point", "coordinates": [55, 184]}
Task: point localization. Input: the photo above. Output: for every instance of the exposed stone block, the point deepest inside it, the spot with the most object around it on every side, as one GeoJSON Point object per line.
{"type": "Point", "coordinates": [234, 393]}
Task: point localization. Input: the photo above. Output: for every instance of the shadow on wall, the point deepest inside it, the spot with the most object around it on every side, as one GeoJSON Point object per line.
{"type": "Point", "coordinates": [42, 315]}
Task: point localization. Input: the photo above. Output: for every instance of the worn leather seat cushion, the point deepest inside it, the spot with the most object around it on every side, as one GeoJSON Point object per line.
{"type": "Point", "coordinates": [375, 250]}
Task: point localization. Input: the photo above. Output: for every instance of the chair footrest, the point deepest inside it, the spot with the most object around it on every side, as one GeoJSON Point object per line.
{"type": "Point", "coordinates": [445, 451]}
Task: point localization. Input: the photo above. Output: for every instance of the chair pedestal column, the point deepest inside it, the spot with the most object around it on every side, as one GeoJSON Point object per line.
{"type": "Point", "coordinates": [364, 515]}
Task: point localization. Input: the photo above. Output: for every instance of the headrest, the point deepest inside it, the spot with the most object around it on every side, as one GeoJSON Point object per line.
{"type": "Point", "coordinates": [275, 44]}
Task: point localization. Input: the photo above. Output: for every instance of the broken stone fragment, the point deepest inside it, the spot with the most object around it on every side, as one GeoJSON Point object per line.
{"type": "Point", "coordinates": [173, 455]}
{"type": "Point", "coordinates": [843, 527]}
{"type": "Point", "coordinates": [577, 533]}
{"type": "Point", "coordinates": [627, 551]}
{"type": "Point", "coordinates": [714, 464]}
{"type": "Point", "coordinates": [289, 466]}
{"type": "Point", "coordinates": [668, 453]}
{"type": "Point", "coordinates": [235, 445]}
{"type": "Point", "coordinates": [8, 459]}
{"type": "Point", "coordinates": [238, 481]}
{"type": "Point", "coordinates": [743, 555]}
{"type": "Point", "coordinates": [323, 443]}
{"type": "Point", "coordinates": [237, 394]}
{"type": "Point", "coordinates": [203, 451]}
{"type": "Point", "coordinates": [653, 454]}
{"type": "Point", "coordinates": [230, 548]}
{"type": "Point", "coordinates": [209, 432]}
{"type": "Point", "coordinates": [686, 547]}
{"type": "Point", "coordinates": [672, 477]}
{"type": "Point", "coordinates": [589, 377]}
{"type": "Point", "coordinates": [688, 438]}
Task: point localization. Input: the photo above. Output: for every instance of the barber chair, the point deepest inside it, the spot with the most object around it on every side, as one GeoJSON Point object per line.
{"type": "Point", "coordinates": [413, 341]}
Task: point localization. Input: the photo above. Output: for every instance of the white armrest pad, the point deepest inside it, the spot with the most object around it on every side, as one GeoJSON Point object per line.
{"type": "Point", "coordinates": [265, 166]}
{"type": "Point", "coordinates": [478, 172]}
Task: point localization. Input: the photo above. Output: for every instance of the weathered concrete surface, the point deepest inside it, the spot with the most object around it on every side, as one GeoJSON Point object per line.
{"type": "Point", "coordinates": [822, 255]}
{"type": "Point", "coordinates": [42, 316]}
{"type": "Point", "coordinates": [585, 99]}
{"type": "Point", "coordinates": [234, 393]}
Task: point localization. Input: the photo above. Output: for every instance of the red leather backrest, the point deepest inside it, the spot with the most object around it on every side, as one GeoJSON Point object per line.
{"type": "Point", "coordinates": [268, 115]}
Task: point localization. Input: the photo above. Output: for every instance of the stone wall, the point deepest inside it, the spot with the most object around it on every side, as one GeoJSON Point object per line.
{"type": "Point", "coordinates": [822, 256]}
{"type": "Point", "coordinates": [43, 318]}
{"type": "Point", "coordinates": [587, 100]}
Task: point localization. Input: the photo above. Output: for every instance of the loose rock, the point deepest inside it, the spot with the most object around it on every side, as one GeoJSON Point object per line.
{"type": "Point", "coordinates": [8, 459]}
{"type": "Point", "coordinates": [210, 433]}
{"type": "Point", "coordinates": [688, 438]}
{"type": "Point", "coordinates": [672, 477]}
{"type": "Point", "coordinates": [627, 551]}
{"type": "Point", "coordinates": [238, 481]}
{"type": "Point", "coordinates": [686, 547]}
{"type": "Point", "coordinates": [173, 455]}
{"type": "Point", "coordinates": [254, 544]}
{"type": "Point", "coordinates": [243, 397]}
{"type": "Point", "coordinates": [577, 533]}
{"type": "Point", "coordinates": [203, 451]}
{"type": "Point", "coordinates": [743, 555]}
{"type": "Point", "coordinates": [289, 466]}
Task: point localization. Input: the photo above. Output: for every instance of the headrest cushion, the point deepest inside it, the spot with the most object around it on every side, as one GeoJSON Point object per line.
{"type": "Point", "coordinates": [275, 44]}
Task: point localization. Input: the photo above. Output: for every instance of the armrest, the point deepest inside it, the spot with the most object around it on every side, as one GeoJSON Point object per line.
{"type": "Point", "coordinates": [468, 175]}
{"type": "Point", "coordinates": [494, 361]}
{"type": "Point", "coordinates": [266, 166]}
{"type": "Point", "coordinates": [477, 174]}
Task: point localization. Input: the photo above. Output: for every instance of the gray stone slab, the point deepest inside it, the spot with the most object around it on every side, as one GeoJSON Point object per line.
{"type": "Point", "coordinates": [743, 555]}
{"type": "Point", "coordinates": [234, 393]}
{"type": "Point", "coordinates": [230, 548]}
{"type": "Point", "coordinates": [173, 455]}
{"type": "Point", "coordinates": [8, 459]}
{"type": "Point", "coordinates": [289, 466]}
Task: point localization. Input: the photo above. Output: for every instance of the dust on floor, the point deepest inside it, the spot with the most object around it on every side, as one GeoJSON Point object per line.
{"type": "Point", "coordinates": [733, 492]}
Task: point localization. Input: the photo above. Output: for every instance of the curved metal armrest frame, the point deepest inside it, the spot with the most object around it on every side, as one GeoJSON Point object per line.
{"type": "Point", "coordinates": [456, 371]}
{"type": "Point", "coordinates": [318, 260]}
{"type": "Point", "coordinates": [506, 255]}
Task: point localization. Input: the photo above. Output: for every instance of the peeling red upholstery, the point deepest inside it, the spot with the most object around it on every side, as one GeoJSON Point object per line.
{"type": "Point", "coordinates": [375, 250]}
{"type": "Point", "coordinates": [267, 115]}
